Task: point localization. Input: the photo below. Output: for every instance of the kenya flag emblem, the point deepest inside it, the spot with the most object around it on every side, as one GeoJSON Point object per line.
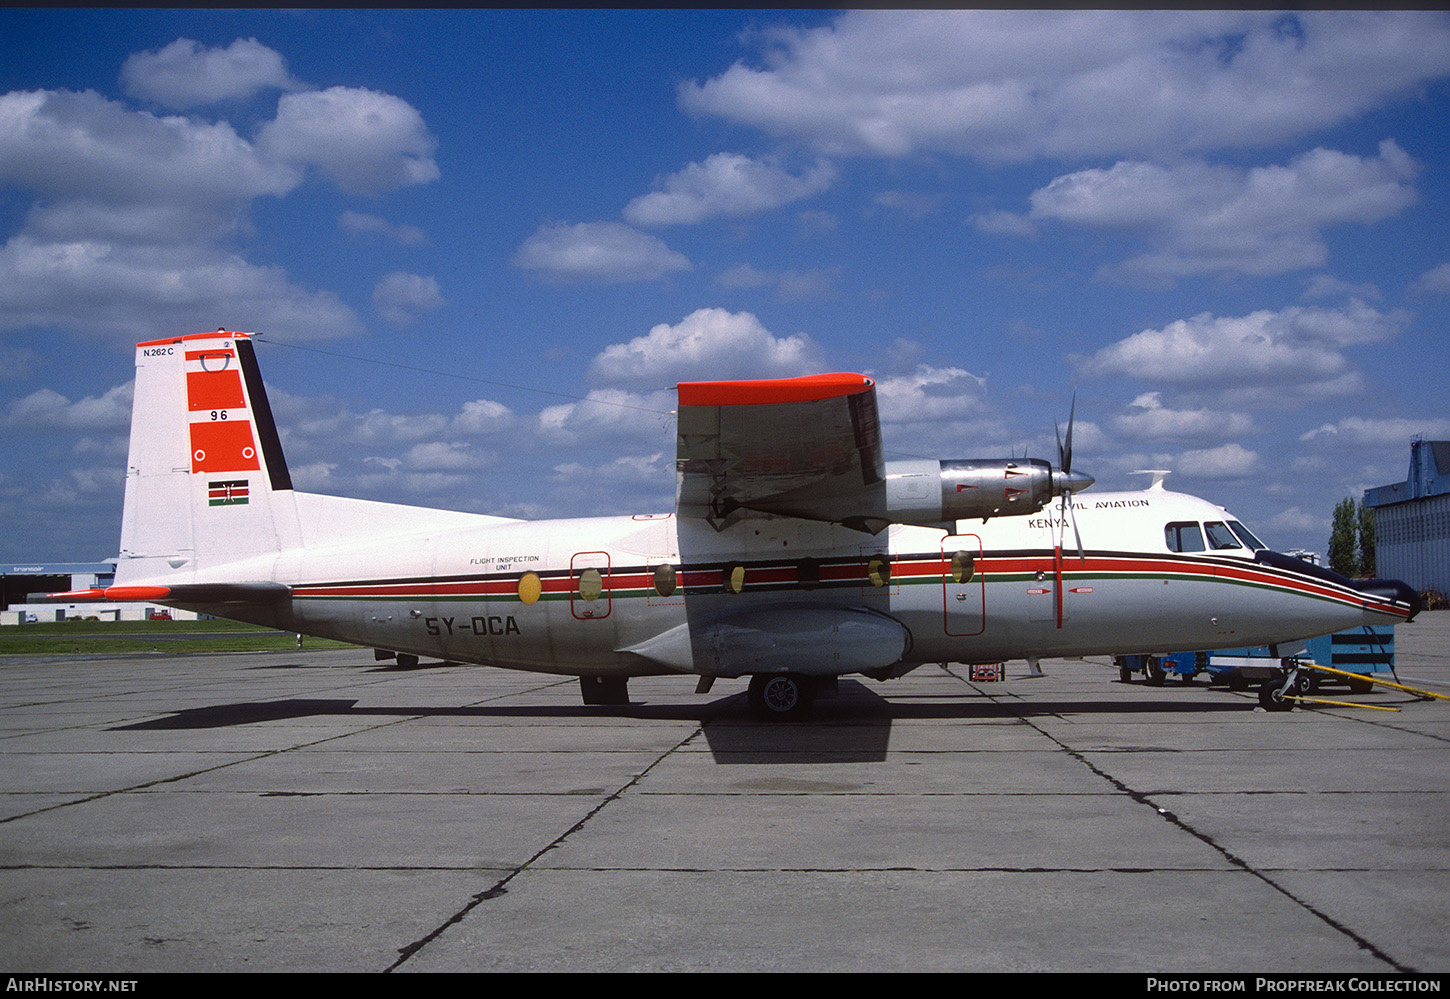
{"type": "Point", "coordinates": [230, 493]}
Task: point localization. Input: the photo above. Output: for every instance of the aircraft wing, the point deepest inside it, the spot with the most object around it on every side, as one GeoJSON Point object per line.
{"type": "Point", "coordinates": [802, 447]}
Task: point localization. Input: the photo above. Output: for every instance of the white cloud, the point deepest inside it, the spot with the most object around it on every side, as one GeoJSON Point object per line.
{"type": "Point", "coordinates": [816, 284]}
{"type": "Point", "coordinates": [639, 471]}
{"type": "Point", "coordinates": [1297, 521]}
{"type": "Point", "coordinates": [726, 185]}
{"type": "Point", "coordinates": [399, 297]}
{"type": "Point", "coordinates": [606, 252]}
{"type": "Point", "coordinates": [1008, 86]}
{"type": "Point", "coordinates": [105, 171]}
{"type": "Point", "coordinates": [1203, 219]}
{"type": "Point", "coordinates": [363, 224]}
{"type": "Point", "coordinates": [445, 456]}
{"type": "Point", "coordinates": [48, 409]}
{"type": "Point", "coordinates": [364, 141]}
{"type": "Point", "coordinates": [1002, 223]}
{"type": "Point", "coordinates": [1149, 419]}
{"type": "Point", "coordinates": [1328, 286]}
{"type": "Point", "coordinates": [1380, 432]}
{"type": "Point", "coordinates": [930, 394]}
{"type": "Point", "coordinates": [133, 212]}
{"type": "Point", "coordinates": [1293, 350]}
{"type": "Point", "coordinates": [102, 289]}
{"type": "Point", "coordinates": [744, 276]}
{"type": "Point", "coordinates": [483, 416]}
{"type": "Point", "coordinates": [610, 419]}
{"type": "Point", "coordinates": [1436, 280]}
{"type": "Point", "coordinates": [707, 345]}
{"type": "Point", "coordinates": [906, 204]}
{"type": "Point", "coordinates": [1228, 461]}
{"type": "Point", "coordinates": [184, 74]}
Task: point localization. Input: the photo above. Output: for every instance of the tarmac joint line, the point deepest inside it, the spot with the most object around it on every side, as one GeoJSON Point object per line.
{"type": "Point", "coordinates": [500, 888]}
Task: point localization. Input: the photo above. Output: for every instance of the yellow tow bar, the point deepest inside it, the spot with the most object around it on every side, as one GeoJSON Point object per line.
{"type": "Point", "coordinates": [1338, 704]}
{"type": "Point", "coordinates": [1427, 694]}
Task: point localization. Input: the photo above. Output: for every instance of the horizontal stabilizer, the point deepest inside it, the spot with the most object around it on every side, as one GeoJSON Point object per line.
{"type": "Point", "coordinates": [184, 593]}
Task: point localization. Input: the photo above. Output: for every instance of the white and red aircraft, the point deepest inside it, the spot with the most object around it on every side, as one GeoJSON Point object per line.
{"type": "Point", "coordinates": [795, 553]}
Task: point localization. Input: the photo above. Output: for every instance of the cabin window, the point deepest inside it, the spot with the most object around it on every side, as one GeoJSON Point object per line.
{"type": "Point", "coordinates": [665, 579]}
{"type": "Point", "coordinates": [1219, 536]}
{"type": "Point", "coordinates": [1246, 536]}
{"type": "Point", "coordinates": [964, 564]}
{"type": "Point", "coordinates": [733, 577]}
{"type": "Point", "coordinates": [1183, 536]}
{"type": "Point", "coordinates": [530, 588]}
{"type": "Point", "coordinates": [591, 584]}
{"type": "Point", "coordinates": [808, 573]}
{"type": "Point", "coordinates": [878, 570]}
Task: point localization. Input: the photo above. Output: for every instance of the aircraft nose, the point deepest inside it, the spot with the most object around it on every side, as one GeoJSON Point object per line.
{"type": "Point", "coordinates": [1074, 481]}
{"type": "Point", "coordinates": [1393, 590]}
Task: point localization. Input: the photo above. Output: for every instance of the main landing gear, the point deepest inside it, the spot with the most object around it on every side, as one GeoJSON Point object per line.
{"type": "Point", "coordinates": [781, 696]}
{"type": "Point", "coordinates": [604, 691]}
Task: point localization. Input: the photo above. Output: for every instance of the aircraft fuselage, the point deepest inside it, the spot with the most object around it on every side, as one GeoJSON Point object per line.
{"type": "Point", "coordinates": [593, 596]}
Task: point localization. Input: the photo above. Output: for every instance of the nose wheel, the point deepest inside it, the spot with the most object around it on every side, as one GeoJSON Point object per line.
{"type": "Point", "coordinates": [1273, 696]}
{"type": "Point", "coordinates": [780, 696]}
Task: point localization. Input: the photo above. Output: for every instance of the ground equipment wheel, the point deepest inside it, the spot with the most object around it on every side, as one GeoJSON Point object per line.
{"type": "Point", "coordinates": [1153, 670]}
{"type": "Point", "coordinates": [781, 696]}
{"type": "Point", "coordinates": [1271, 696]}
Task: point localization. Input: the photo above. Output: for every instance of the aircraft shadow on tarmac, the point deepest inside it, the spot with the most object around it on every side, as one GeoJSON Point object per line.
{"type": "Point", "coordinates": [855, 726]}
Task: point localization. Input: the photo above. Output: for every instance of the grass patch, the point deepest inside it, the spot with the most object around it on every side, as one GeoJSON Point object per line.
{"type": "Point", "coordinates": [111, 637]}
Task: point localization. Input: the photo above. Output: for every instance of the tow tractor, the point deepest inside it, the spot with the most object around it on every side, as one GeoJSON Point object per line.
{"type": "Point", "coordinates": [1157, 668]}
{"type": "Point", "coordinates": [1360, 659]}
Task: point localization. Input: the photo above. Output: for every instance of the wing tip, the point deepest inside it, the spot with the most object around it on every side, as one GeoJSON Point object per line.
{"type": "Point", "coordinates": [773, 391]}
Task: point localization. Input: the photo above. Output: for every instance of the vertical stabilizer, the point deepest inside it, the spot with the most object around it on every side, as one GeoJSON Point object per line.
{"type": "Point", "coordinates": [206, 483]}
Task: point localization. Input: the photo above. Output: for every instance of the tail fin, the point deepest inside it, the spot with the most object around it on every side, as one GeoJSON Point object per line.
{"type": "Point", "coordinates": [206, 482]}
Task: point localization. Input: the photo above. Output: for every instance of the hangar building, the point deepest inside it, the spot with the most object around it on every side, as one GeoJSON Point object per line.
{"type": "Point", "coordinates": [1412, 521]}
{"type": "Point", "coordinates": [23, 589]}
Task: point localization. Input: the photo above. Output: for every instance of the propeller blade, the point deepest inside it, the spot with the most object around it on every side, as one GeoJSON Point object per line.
{"type": "Point", "coordinates": [1070, 482]}
{"type": "Point", "coordinates": [1065, 450]}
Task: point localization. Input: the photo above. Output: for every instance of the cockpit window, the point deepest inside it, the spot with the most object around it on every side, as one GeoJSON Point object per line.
{"type": "Point", "coordinates": [1246, 536]}
{"type": "Point", "coordinates": [1219, 536]}
{"type": "Point", "coordinates": [1183, 536]}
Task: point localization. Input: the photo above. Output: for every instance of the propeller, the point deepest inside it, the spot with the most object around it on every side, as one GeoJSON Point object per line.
{"type": "Point", "coordinates": [1065, 481]}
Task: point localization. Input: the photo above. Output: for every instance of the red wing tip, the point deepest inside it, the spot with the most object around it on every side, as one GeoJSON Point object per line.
{"type": "Point", "coordinates": [767, 391]}
{"type": "Point", "coordinates": [195, 336]}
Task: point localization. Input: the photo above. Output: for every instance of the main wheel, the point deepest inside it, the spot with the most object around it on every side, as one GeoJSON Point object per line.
{"type": "Point", "coordinates": [1271, 696]}
{"type": "Point", "coordinates": [780, 696]}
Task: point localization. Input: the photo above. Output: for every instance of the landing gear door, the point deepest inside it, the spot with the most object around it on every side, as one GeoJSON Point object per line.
{"type": "Point", "coordinates": [589, 590]}
{"type": "Point", "coordinates": [964, 590]}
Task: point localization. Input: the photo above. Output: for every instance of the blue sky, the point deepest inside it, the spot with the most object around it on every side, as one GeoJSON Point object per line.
{"type": "Point", "coordinates": [482, 246]}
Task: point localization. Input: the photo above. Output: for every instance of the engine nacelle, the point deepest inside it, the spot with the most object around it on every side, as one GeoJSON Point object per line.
{"type": "Point", "coordinates": [929, 492]}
